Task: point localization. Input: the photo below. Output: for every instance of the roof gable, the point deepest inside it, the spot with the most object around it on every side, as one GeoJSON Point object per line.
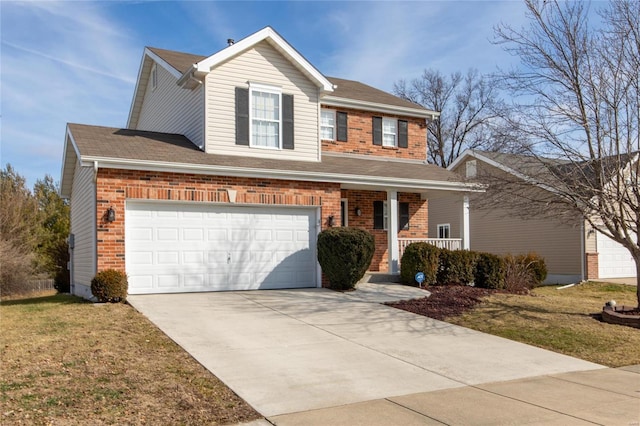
{"type": "Point", "coordinates": [269, 35]}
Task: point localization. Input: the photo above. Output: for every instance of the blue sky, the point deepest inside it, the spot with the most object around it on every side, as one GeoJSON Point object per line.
{"type": "Point", "coordinates": [77, 61]}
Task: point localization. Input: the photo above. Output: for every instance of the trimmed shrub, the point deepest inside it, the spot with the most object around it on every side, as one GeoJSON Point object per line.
{"type": "Point", "coordinates": [110, 286]}
{"type": "Point", "coordinates": [536, 265]}
{"type": "Point", "coordinates": [490, 271]}
{"type": "Point", "coordinates": [420, 257]}
{"type": "Point", "coordinates": [345, 255]}
{"type": "Point", "coordinates": [457, 266]}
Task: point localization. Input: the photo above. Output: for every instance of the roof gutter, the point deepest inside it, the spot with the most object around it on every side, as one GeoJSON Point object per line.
{"type": "Point", "coordinates": [191, 78]}
{"type": "Point", "coordinates": [359, 180]}
{"type": "Point", "coordinates": [378, 107]}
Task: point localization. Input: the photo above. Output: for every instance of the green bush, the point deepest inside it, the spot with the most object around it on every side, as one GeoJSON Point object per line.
{"type": "Point", "coordinates": [345, 255]}
{"type": "Point", "coordinates": [110, 286]}
{"type": "Point", "coordinates": [457, 266]}
{"type": "Point", "coordinates": [536, 265]}
{"type": "Point", "coordinates": [490, 271]}
{"type": "Point", "coordinates": [420, 257]}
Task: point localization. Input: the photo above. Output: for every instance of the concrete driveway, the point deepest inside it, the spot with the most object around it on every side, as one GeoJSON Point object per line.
{"type": "Point", "coordinates": [287, 351]}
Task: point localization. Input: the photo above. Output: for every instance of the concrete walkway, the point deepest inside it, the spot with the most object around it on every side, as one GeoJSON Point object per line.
{"type": "Point", "coordinates": [315, 356]}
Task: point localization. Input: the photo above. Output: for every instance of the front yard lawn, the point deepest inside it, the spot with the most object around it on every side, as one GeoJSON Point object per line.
{"type": "Point", "coordinates": [561, 321]}
{"type": "Point", "coordinates": [66, 361]}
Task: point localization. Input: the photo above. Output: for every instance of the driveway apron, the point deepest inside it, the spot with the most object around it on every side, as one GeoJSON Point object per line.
{"type": "Point", "coordinates": [286, 351]}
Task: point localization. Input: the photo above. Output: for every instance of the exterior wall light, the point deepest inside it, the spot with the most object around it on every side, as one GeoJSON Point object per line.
{"type": "Point", "coordinates": [110, 215]}
{"type": "Point", "coordinates": [330, 221]}
{"type": "Point", "coordinates": [358, 211]}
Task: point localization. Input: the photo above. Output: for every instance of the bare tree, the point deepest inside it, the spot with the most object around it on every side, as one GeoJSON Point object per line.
{"type": "Point", "coordinates": [578, 100]}
{"type": "Point", "coordinates": [470, 112]}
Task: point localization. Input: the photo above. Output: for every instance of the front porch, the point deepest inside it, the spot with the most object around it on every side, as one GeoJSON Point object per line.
{"type": "Point", "coordinates": [396, 219]}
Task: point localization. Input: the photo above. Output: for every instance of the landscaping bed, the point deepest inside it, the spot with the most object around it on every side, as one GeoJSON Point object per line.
{"type": "Point", "coordinates": [565, 321]}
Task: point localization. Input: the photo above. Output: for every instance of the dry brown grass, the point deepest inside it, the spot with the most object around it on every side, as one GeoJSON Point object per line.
{"type": "Point", "coordinates": [65, 361]}
{"type": "Point", "coordinates": [562, 321]}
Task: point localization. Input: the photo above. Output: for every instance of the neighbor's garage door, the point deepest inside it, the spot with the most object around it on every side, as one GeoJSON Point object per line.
{"type": "Point", "coordinates": [614, 261]}
{"type": "Point", "coordinates": [189, 247]}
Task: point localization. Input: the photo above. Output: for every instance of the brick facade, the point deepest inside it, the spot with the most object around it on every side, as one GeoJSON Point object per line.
{"type": "Point", "coordinates": [591, 266]}
{"type": "Point", "coordinates": [360, 137]}
{"type": "Point", "coordinates": [418, 220]}
{"type": "Point", "coordinates": [114, 187]}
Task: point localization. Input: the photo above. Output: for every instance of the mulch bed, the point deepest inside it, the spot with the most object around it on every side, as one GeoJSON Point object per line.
{"type": "Point", "coordinates": [447, 301]}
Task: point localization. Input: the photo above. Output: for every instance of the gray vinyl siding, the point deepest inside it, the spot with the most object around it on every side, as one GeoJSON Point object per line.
{"type": "Point", "coordinates": [261, 64]}
{"type": "Point", "coordinates": [171, 109]}
{"type": "Point", "coordinates": [83, 227]}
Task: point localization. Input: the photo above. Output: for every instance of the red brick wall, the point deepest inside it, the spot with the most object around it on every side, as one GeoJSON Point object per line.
{"type": "Point", "coordinates": [360, 137]}
{"type": "Point", "coordinates": [418, 221]}
{"type": "Point", "coordinates": [115, 186]}
{"type": "Point", "coordinates": [592, 266]}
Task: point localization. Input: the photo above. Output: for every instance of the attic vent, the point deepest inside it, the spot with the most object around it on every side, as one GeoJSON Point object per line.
{"type": "Point", "coordinates": [230, 41]}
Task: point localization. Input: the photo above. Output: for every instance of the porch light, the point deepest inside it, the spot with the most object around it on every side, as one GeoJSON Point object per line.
{"type": "Point", "coordinates": [330, 221]}
{"type": "Point", "coordinates": [110, 215]}
{"type": "Point", "coordinates": [358, 211]}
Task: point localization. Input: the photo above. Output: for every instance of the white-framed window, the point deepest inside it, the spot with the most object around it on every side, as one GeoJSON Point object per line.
{"type": "Point", "coordinates": [472, 168]}
{"type": "Point", "coordinates": [328, 124]}
{"type": "Point", "coordinates": [344, 212]}
{"type": "Point", "coordinates": [154, 77]}
{"type": "Point", "coordinates": [265, 106]}
{"type": "Point", "coordinates": [389, 132]}
{"type": "Point", "coordinates": [444, 230]}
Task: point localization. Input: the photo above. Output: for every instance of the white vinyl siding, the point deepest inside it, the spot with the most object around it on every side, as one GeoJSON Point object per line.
{"type": "Point", "coordinates": [261, 64]}
{"type": "Point", "coordinates": [170, 109]}
{"type": "Point", "coordinates": [328, 124]}
{"type": "Point", "coordinates": [83, 227]}
{"type": "Point", "coordinates": [389, 132]}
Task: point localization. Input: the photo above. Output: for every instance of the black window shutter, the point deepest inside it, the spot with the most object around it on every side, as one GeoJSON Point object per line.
{"type": "Point", "coordinates": [242, 116]}
{"type": "Point", "coordinates": [403, 219]}
{"type": "Point", "coordinates": [287, 121]}
{"type": "Point", "coordinates": [403, 134]}
{"type": "Point", "coordinates": [341, 119]}
{"type": "Point", "coordinates": [378, 215]}
{"type": "Point", "coordinates": [377, 131]}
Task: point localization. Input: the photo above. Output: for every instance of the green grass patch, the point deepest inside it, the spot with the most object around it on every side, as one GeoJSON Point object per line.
{"type": "Point", "coordinates": [563, 321]}
{"type": "Point", "coordinates": [67, 361]}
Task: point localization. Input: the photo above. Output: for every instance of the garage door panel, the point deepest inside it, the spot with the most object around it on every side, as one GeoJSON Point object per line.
{"type": "Point", "coordinates": [177, 247]}
{"type": "Point", "coordinates": [614, 260]}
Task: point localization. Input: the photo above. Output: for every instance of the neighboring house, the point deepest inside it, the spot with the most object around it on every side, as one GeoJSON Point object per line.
{"type": "Point", "coordinates": [573, 251]}
{"type": "Point", "coordinates": [230, 166]}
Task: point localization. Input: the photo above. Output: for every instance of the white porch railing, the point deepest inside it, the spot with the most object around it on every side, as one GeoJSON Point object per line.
{"type": "Point", "coordinates": [445, 243]}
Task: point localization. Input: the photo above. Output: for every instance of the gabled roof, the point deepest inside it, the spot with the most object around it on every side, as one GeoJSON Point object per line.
{"type": "Point", "coordinates": [188, 67]}
{"type": "Point", "coordinates": [353, 94]}
{"type": "Point", "coordinates": [141, 150]}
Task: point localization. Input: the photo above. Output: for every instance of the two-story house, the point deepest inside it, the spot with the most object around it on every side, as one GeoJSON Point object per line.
{"type": "Point", "coordinates": [231, 164]}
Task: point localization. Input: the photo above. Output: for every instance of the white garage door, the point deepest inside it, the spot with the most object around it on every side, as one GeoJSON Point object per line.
{"type": "Point", "coordinates": [614, 261]}
{"type": "Point", "coordinates": [189, 247]}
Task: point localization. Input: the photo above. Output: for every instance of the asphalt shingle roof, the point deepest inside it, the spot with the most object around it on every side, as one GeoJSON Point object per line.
{"type": "Point", "coordinates": [114, 143]}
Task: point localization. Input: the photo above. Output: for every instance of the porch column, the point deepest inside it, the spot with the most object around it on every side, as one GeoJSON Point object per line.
{"type": "Point", "coordinates": [464, 224]}
{"type": "Point", "coordinates": [392, 231]}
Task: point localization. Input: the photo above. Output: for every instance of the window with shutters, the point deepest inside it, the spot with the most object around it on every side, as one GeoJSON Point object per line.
{"type": "Point", "coordinates": [390, 132]}
{"type": "Point", "coordinates": [381, 215]}
{"type": "Point", "coordinates": [327, 124]}
{"type": "Point", "coordinates": [265, 106]}
{"type": "Point", "coordinates": [264, 117]}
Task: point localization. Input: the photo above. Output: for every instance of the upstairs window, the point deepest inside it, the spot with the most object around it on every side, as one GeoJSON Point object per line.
{"type": "Point", "coordinates": [264, 117]}
{"type": "Point", "coordinates": [327, 124]}
{"type": "Point", "coordinates": [265, 110]}
{"type": "Point", "coordinates": [390, 132]}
